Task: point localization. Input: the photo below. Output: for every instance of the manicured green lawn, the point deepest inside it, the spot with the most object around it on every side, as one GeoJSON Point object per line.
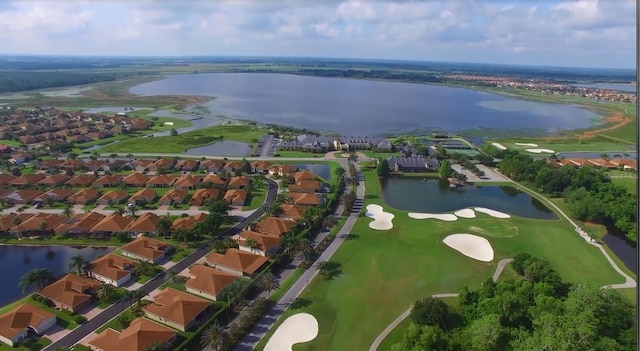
{"type": "Point", "coordinates": [301, 154]}
{"type": "Point", "coordinates": [565, 145]}
{"type": "Point", "coordinates": [9, 142]}
{"type": "Point", "coordinates": [384, 272]}
{"type": "Point", "coordinates": [182, 142]}
{"type": "Point", "coordinates": [629, 183]}
{"type": "Point", "coordinates": [58, 240]}
{"type": "Point", "coordinates": [256, 199]}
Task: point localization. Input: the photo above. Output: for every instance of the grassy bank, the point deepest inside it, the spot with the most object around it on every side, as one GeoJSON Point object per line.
{"type": "Point", "coordinates": [410, 262]}
{"type": "Point", "coordinates": [182, 142]}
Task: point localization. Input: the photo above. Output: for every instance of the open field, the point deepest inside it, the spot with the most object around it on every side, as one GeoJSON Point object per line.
{"type": "Point", "coordinates": [183, 142]}
{"type": "Point", "coordinates": [596, 144]}
{"type": "Point", "coordinates": [410, 262]}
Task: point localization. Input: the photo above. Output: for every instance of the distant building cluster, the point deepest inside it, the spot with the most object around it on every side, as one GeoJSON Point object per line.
{"type": "Point", "coordinates": [321, 144]}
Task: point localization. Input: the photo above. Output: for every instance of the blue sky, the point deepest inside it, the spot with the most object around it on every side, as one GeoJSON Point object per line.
{"type": "Point", "coordinates": [576, 33]}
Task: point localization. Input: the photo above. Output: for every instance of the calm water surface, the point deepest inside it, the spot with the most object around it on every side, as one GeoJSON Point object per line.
{"type": "Point", "coordinates": [15, 261]}
{"type": "Point", "coordinates": [628, 88]}
{"type": "Point", "coordinates": [625, 250]}
{"type": "Point", "coordinates": [320, 169]}
{"type": "Point", "coordinates": [223, 148]}
{"type": "Point", "coordinates": [362, 107]}
{"type": "Point", "coordinates": [433, 196]}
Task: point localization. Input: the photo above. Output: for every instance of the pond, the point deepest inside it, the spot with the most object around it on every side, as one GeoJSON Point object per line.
{"type": "Point", "coordinates": [15, 261]}
{"type": "Point", "coordinates": [320, 169]}
{"type": "Point", "coordinates": [435, 196]}
{"type": "Point", "coordinates": [626, 251]}
{"type": "Point", "coordinates": [229, 148]}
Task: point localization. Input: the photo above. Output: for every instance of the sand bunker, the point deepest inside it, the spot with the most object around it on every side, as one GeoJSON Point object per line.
{"type": "Point", "coordinates": [381, 219]}
{"type": "Point", "coordinates": [492, 213]}
{"type": "Point", "coordinates": [527, 144]}
{"type": "Point", "coordinates": [470, 245]}
{"type": "Point", "coordinates": [499, 146]}
{"type": "Point", "coordinates": [449, 217]}
{"type": "Point", "coordinates": [466, 213]}
{"type": "Point", "coordinates": [301, 327]}
{"type": "Point", "coordinates": [540, 151]}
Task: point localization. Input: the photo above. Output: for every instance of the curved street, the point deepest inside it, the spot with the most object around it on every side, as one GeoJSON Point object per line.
{"type": "Point", "coordinates": [112, 311]}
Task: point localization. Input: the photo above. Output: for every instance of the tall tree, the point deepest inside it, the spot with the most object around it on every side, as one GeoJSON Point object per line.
{"type": "Point", "coordinates": [106, 293]}
{"type": "Point", "coordinates": [77, 264]}
{"type": "Point", "coordinates": [36, 279]}
{"type": "Point", "coordinates": [17, 221]}
{"type": "Point", "coordinates": [214, 338]}
{"type": "Point", "coordinates": [268, 283]}
{"type": "Point", "coordinates": [164, 227]}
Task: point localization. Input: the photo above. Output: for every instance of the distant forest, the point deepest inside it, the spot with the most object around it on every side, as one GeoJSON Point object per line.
{"type": "Point", "coordinates": [16, 81]}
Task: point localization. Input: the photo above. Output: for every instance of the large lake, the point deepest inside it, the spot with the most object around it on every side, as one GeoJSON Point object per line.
{"type": "Point", "coordinates": [434, 196]}
{"type": "Point", "coordinates": [364, 107]}
{"type": "Point", "coordinates": [15, 261]}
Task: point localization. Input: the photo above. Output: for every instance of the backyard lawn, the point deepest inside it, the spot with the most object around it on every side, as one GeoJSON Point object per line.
{"type": "Point", "coordinates": [256, 199]}
{"type": "Point", "coordinates": [384, 272]}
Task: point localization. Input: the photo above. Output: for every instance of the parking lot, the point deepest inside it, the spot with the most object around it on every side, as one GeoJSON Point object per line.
{"type": "Point", "coordinates": [489, 174]}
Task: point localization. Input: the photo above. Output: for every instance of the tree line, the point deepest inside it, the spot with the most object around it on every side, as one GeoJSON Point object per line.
{"type": "Point", "coordinates": [14, 81]}
{"type": "Point", "coordinates": [534, 312]}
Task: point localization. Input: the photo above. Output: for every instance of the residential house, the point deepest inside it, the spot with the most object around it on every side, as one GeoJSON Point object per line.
{"type": "Point", "coordinates": [187, 182]}
{"type": "Point", "coordinates": [306, 186]}
{"type": "Point", "coordinates": [162, 164]}
{"type": "Point", "coordinates": [79, 224]}
{"type": "Point", "coordinates": [261, 166]}
{"type": "Point", "coordinates": [84, 197]}
{"type": "Point", "coordinates": [215, 180]}
{"type": "Point", "coordinates": [17, 323]}
{"type": "Point", "coordinates": [108, 181]}
{"type": "Point", "coordinates": [145, 224]}
{"type": "Point", "coordinates": [54, 180]}
{"type": "Point", "coordinates": [161, 181]}
{"type": "Point", "coordinates": [300, 176]}
{"type": "Point", "coordinates": [176, 308]}
{"type": "Point", "coordinates": [264, 243]}
{"type": "Point", "coordinates": [72, 164]}
{"type": "Point", "coordinates": [140, 335]}
{"type": "Point", "coordinates": [624, 163]}
{"type": "Point", "coordinates": [232, 166]}
{"type": "Point", "coordinates": [21, 197]}
{"type": "Point", "coordinates": [174, 196]}
{"type": "Point", "coordinates": [6, 149]}
{"type": "Point", "coordinates": [207, 282]}
{"type": "Point", "coordinates": [203, 196]}
{"type": "Point", "coordinates": [111, 224]}
{"type": "Point", "coordinates": [236, 197]}
{"type": "Point", "coordinates": [37, 225]}
{"type": "Point", "coordinates": [135, 180]}
{"type": "Point", "coordinates": [305, 199]}
{"type": "Point", "coordinates": [50, 164]}
{"type": "Point", "coordinates": [211, 165]}
{"type": "Point", "coordinates": [6, 221]}
{"type": "Point", "coordinates": [113, 197]}
{"type": "Point", "coordinates": [22, 157]}
{"type": "Point", "coordinates": [239, 182]}
{"type": "Point", "coordinates": [26, 180]}
{"type": "Point", "coordinates": [237, 262]}
{"type": "Point", "coordinates": [70, 292]}
{"type": "Point", "coordinates": [188, 222]}
{"type": "Point", "coordinates": [413, 164]}
{"type": "Point", "coordinates": [140, 165]}
{"type": "Point", "coordinates": [275, 226]}
{"type": "Point", "coordinates": [6, 178]}
{"type": "Point", "coordinates": [600, 162]}
{"type": "Point", "coordinates": [146, 249]}
{"type": "Point", "coordinates": [111, 269]}
{"type": "Point", "coordinates": [143, 197]}
{"type": "Point", "coordinates": [58, 194]}
{"type": "Point", "coordinates": [98, 165]}
{"type": "Point", "coordinates": [187, 165]}
{"type": "Point", "coordinates": [292, 212]}
{"type": "Point", "coordinates": [81, 181]}
{"type": "Point", "coordinates": [282, 170]}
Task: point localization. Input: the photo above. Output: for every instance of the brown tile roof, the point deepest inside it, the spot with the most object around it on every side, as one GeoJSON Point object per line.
{"type": "Point", "coordinates": [81, 180]}
{"type": "Point", "coordinates": [282, 169]}
{"type": "Point", "coordinates": [305, 186]}
{"type": "Point", "coordinates": [165, 163]}
{"type": "Point", "coordinates": [6, 221]}
{"type": "Point", "coordinates": [274, 225]}
{"type": "Point", "coordinates": [261, 165]}
{"type": "Point", "coordinates": [6, 178]}
{"type": "Point", "coordinates": [54, 179]}
{"type": "Point", "coordinates": [236, 259]}
{"type": "Point", "coordinates": [145, 223]}
{"type": "Point", "coordinates": [114, 195]}
{"type": "Point", "coordinates": [187, 164]}
{"type": "Point", "coordinates": [207, 279]}
{"type": "Point", "coordinates": [304, 199]}
{"type": "Point", "coordinates": [175, 195]}
{"type": "Point", "coordinates": [84, 196]}
{"type": "Point", "coordinates": [50, 163]}
{"type": "Point", "coordinates": [146, 247]}
{"type": "Point", "coordinates": [135, 179]}
{"type": "Point", "coordinates": [113, 223]}
{"type": "Point", "coordinates": [161, 180]}
{"type": "Point", "coordinates": [34, 223]}
{"type": "Point", "coordinates": [27, 179]}
{"type": "Point", "coordinates": [293, 211]}
{"type": "Point", "coordinates": [235, 165]}
{"type": "Point", "coordinates": [140, 335]}
{"type": "Point", "coordinates": [201, 196]}
{"type": "Point", "coordinates": [265, 241]}
{"type": "Point", "coordinates": [70, 290]}
{"type": "Point", "coordinates": [207, 164]}
{"type": "Point", "coordinates": [177, 306]}
{"type": "Point", "coordinates": [236, 195]}
{"type": "Point", "coordinates": [24, 195]}
{"type": "Point", "coordinates": [303, 175]}
{"type": "Point", "coordinates": [215, 179]}
{"type": "Point", "coordinates": [108, 180]}
{"type": "Point", "coordinates": [145, 163]}
{"type": "Point", "coordinates": [18, 319]}
{"type": "Point", "coordinates": [187, 181]}
{"type": "Point", "coordinates": [144, 194]}
{"type": "Point", "coordinates": [59, 193]}
{"type": "Point", "coordinates": [112, 266]}
{"type": "Point", "coordinates": [239, 182]}
{"type": "Point", "coordinates": [81, 222]}
{"type": "Point", "coordinates": [188, 222]}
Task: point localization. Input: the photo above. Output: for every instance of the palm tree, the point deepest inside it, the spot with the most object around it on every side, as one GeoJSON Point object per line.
{"type": "Point", "coordinates": [67, 211]}
{"type": "Point", "coordinates": [268, 283]}
{"type": "Point", "coordinates": [340, 172]}
{"type": "Point", "coordinates": [252, 244]}
{"type": "Point", "coordinates": [275, 210]}
{"type": "Point", "coordinates": [305, 247]}
{"type": "Point", "coordinates": [171, 275]}
{"type": "Point", "coordinates": [214, 338]}
{"type": "Point", "coordinates": [144, 268]}
{"type": "Point", "coordinates": [138, 295]}
{"type": "Point", "coordinates": [77, 264]}
{"type": "Point", "coordinates": [43, 227]}
{"type": "Point", "coordinates": [128, 296]}
{"type": "Point", "coordinates": [132, 210]}
{"type": "Point", "coordinates": [329, 222]}
{"type": "Point", "coordinates": [17, 221]}
{"type": "Point", "coordinates": [36, 279]}
{"type": "Point", "coordinates": [252, 225]}
{"type": "Point", "coordinates": [106, 293]}
{"type": "Point", "coordinates": [120, 210]}
{"type": "Point", "coordinates": [163, 227]}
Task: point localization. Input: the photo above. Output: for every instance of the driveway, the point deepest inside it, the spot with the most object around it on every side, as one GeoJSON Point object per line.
{"type": "Point", "coordinates": [56, 333]}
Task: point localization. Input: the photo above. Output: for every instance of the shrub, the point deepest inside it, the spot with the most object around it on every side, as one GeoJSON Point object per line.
{"type": "Point", "coordinates": [79, 319]}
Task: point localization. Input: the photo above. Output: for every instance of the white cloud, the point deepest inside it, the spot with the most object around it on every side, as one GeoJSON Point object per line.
{"type": "Point", "coordinates": [545, 32]}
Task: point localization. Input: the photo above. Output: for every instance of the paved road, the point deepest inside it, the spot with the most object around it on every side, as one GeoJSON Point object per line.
{"type": "Point", "coordinates": [110, 312]}
{"type": "Point", "coordinates": [405, 314]}
{"type": "Point", "coordinates": [267, 321]}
